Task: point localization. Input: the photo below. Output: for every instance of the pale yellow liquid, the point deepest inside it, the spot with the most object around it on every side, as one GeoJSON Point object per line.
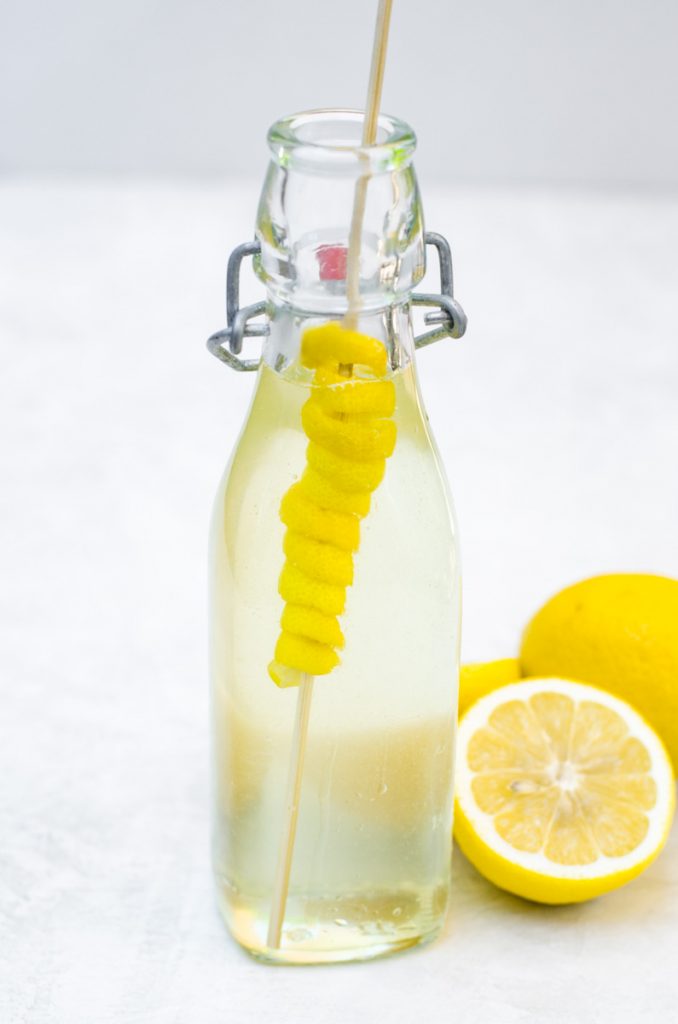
{"type": "Point", "coordinates": [371, 863]}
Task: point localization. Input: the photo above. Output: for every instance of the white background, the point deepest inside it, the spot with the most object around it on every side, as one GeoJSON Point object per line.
{"type": "Point", "coordinates": [557, 419]}
{"type": "Point", "coordinates": [533, 90]}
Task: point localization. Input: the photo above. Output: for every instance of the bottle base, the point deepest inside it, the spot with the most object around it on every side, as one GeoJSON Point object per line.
{"type": "Point", "coordinates": [368, 935]}
{"type": "Point", "coordinates": [297, 958]}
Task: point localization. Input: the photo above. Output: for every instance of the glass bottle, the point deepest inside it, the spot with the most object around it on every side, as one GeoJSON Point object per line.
{"type": "Point", "coordinates": [371, 857]}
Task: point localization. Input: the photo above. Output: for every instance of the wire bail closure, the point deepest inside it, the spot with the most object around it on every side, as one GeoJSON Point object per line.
{"type": "Point", "coordinates": [226, 344]}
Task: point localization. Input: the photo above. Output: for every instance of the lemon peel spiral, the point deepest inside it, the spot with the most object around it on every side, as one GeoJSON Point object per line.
{"type": "Point", "coordinates": [348, 421]}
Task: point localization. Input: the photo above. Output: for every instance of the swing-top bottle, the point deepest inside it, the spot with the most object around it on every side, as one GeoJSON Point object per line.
{"type": "Point", "coordinates": [308, 578]}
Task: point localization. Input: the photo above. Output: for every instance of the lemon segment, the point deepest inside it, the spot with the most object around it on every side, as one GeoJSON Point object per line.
{"type": "Point", "coordinates": [563, 791]}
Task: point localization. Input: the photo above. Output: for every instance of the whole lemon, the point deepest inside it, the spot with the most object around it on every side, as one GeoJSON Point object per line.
{"type": "Point", "coordinates": [480, 678]}
{"type": "Point", "coordinates": [619, 632]}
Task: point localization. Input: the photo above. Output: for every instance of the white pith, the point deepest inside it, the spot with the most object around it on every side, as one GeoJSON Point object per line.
{"type": "Point", "coordinates": [566, 775]}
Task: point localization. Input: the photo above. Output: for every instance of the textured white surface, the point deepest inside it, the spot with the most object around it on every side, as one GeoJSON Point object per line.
{"type": "Point", "coordinates": [558, 420]}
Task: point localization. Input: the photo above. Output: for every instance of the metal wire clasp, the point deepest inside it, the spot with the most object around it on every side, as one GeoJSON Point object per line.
{"type": "Point", "coordinates": [227, 343]}
{"type": "Point", "coordinates": [237, 320]}
{"type": "Point", "coordinates": [450, 316]}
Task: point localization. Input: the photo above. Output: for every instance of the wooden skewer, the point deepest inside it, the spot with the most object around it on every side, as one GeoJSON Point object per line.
{"type": "Point", "coordinates": [300, 734]}
{"type": "Point", "coordinates": [369, 137]}
{"type": "Point", "coordinates": [292, 795]}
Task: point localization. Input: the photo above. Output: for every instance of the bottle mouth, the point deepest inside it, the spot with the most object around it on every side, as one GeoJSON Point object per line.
{"type": "Point", "coordinates": [330, 141]}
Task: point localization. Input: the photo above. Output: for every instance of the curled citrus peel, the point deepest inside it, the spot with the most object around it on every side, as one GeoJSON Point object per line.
{"type": "Point", "coordinates": [348, 421]}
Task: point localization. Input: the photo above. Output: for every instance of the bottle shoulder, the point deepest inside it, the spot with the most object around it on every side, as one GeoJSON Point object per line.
{"type": "Point", "coordinates": [272, 453]}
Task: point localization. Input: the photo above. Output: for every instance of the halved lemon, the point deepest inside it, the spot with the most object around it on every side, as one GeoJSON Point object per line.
{"type": "Point", "coordinates": [563, 791]}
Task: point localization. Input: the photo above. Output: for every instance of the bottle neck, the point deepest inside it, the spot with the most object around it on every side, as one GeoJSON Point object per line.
{"type": "Point", "coordinates": [339, 224]}
{"type": "Point", "coordinates": [391, 325]}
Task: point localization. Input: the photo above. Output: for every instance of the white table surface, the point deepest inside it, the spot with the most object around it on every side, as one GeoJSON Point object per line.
{"type": "Point", "coordinates": [557, 418]}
